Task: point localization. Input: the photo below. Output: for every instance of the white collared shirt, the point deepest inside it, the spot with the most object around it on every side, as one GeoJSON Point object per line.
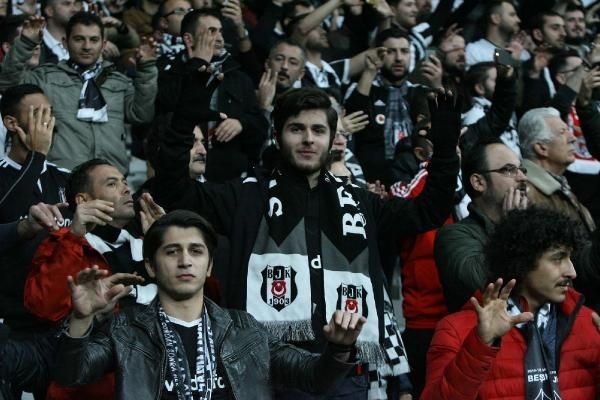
{"type": "Point", "coordinates": [55, 46]}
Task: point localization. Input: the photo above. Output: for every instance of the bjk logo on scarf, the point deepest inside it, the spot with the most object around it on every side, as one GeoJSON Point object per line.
{"type": "Point", "coordinates": [353, 299]}
{"type": "Point", "coordinates": [279, 286]}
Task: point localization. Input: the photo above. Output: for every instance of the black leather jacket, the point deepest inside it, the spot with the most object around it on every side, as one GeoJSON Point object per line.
{"type": "Point", "coordinates": [133, 347]}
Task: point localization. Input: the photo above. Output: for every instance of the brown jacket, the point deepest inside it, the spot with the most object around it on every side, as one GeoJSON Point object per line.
{"type": "Point", "coordinates": [545, 190]}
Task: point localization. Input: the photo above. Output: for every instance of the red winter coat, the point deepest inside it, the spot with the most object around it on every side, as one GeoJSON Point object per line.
{"type": "Point", "coordinates": [424, 304]}
{"type": "Point", "coordinates": [47, 296]}
{"type": "Point", "coordinates": [61, 254]}
{"type": "Point", "coordinates": [461, 367]}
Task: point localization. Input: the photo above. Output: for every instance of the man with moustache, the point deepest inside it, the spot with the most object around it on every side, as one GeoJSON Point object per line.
{"type": "Point", "coordinates": [233, 142]}
{"type": "Point", "coordinates": [531, 339]}
{"type": "Point", "coordinates": [384, 91]}
{"type": "Point", "coordinates": [284, 69]}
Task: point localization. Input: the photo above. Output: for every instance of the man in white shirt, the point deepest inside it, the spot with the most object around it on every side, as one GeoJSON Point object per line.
{"type": "Point", "coordinates": [502, 23]}
{"type": "Point", "coordinates": [57, 14]}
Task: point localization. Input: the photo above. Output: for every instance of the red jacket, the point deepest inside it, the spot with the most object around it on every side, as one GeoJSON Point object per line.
{"type": "Point", "coordinates": [461, 367]}
{"type": "Point", "coordinates": [47, 296]}
{"type": "Point", "coordinates": [61, 254]}
{"type": "Point", "coordinates": [424, 304]}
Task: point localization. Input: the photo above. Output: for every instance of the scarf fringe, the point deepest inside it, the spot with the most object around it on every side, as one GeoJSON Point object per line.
{"type": "Point", "coordinates": [370, 352]}
{"type": "Point", "coordinates": [290, 331]}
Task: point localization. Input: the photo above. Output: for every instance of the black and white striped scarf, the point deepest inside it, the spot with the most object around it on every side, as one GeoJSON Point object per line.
{"type": "Point", "coordinates": [205, 369]}
{"type": "Point", "coordinates": [92, 106]}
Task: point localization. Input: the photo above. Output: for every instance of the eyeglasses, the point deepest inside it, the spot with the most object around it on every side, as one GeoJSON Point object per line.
{"type": "Point", "coordinates": [178, 11]}
{"type": "Point", "coordinates": [508, 170]}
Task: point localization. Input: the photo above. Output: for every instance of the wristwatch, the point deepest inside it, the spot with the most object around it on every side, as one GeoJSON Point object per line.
{"type": "Point", "coordinates": [245, 36]}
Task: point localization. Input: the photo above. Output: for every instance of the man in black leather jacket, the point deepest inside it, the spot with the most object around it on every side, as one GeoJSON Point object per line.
{"type": "Point", "coordinates": [148, 347]}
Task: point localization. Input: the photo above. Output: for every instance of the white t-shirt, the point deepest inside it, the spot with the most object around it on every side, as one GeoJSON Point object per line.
{"type": "Point", "coordinates": [483, 51]}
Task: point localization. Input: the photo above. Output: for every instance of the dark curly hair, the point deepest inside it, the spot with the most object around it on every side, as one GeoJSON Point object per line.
{"type": "Point", "coordinates": [521, 238]}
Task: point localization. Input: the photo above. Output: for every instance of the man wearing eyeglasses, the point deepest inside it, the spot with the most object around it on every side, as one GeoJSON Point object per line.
{"type": "Point", "coordinates": [168, 21]}
{"type": "Point", "coordinates": [548, 149]}
{"type": "Point", "coordinates": [496, 182]}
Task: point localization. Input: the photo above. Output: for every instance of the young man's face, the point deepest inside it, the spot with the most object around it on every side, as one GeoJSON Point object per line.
{"type": "Point", "coordinates": [575, 24]}
{"type": "Point", "coordinates": [550, 280]}
{"type": "Point", "coordinates": [304, 142]}
{"type": "Point", "coordinates": [553, 32]}
{"type": "Point", "coordinates": [110, 185]}
{"type": "Point", "coordinates": [85, 44]}
{"type": "Point", "coordinates": [317, 39]}
{"type": "Point", "coordinates": [396, 59]}
{"type": "Point", "coordinates": [509, 20]}
{"type": "Point", "coordinates": [406, 13]}
{"type": "Point", "coordinates": [287, 61]}
{"type": "Point", "coordinates": [181, 263]}
{"type": "Point", "coordinates": [197, 154]}
{"type": "Point", "coordinates": [488, 86]}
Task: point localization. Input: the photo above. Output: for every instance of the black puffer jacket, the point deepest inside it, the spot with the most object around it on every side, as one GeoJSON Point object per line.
{"type": "Point", "coordinates": [133, 346]}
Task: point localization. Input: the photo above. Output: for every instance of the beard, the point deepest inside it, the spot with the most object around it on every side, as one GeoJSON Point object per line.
{"type": "Point", "coordinates": [287, 159]}
{"type": "Point", "coordinates": [391, 77]}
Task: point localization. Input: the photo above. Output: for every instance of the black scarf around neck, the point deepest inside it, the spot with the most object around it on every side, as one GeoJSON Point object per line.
{"type": "Point", "coordinates": [278, 279]}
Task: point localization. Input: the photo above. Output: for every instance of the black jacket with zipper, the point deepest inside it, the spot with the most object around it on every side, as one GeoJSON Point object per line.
{"type": "Point", "coordinates": [133, 347]}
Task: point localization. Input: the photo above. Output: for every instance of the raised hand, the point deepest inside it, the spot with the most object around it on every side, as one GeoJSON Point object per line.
{"type": "Point", "coordinates": [374, 59]}
{"type": "Point", "coordinates": [431, 69]}
{"type": "Point", "coordinates": [445, 122]}
{"type": "Point", "coordinates": [515, 199]}
{"type": "Point", "coordinates": [88, 293]}
{"type": "Point", "coordinates": [204, 46]}
{"type": "Point", "coordinates": [150, 211]}
{"type": "Point", "coordinates": [116, 287]}
{"type": "Point", "coordinates": [32, 28]}
{"type": "Point", "coordinates": [232, 10]}
{"type": "Point", "coordinates": [227, 130]}
{"type": "Point", "coordinates": [147, 51]}
{"type": "Point", "coordinates": [344, 328]}
{"type": "Point", "coordinates": [355, 122]}
{"type": "Point", "coordinates": [89, 214]}
{"type": "Point", "coordinates": [494, 319]}
{"type": "Point", "coordinates": [41, 216]}
{"type": "Point", "coordinates": [267, 88]}
{"type": "Point", "coordinates": [40, 126]}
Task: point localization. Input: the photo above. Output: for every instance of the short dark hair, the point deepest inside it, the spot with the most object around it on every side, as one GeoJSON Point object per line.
{"type": "Point", "coordinates": [13, 95]}
{"type": "Point", "coordinates": [395, 33]}
{"type": "Point", "coordinates": [539, 19]}
{"type": "Point", "coordinates": [294, 101]}
{"type": "Point", "coordinates": [521, 238]}
{"type": "Point", "coordinates": [79, 180]}
{"type": "Point", "coordinates": [493, 7]}
{"type": "Point", "coordinates": [559, 61]}
{"type": "Point", "coordinates": [573, 7]}
{"type": "Point", "coordinates": [475, 160]}
{"type": "Point", "coordinates": [84, 18]}
{"type": "Point", "coordinates": [288, 42]}
{"type": "Point", "coordinates": [189, 23]}
{"type": "Point", "coordinates": [182, 219]}
{"type": "Point", "coordinates": [477, 74]}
